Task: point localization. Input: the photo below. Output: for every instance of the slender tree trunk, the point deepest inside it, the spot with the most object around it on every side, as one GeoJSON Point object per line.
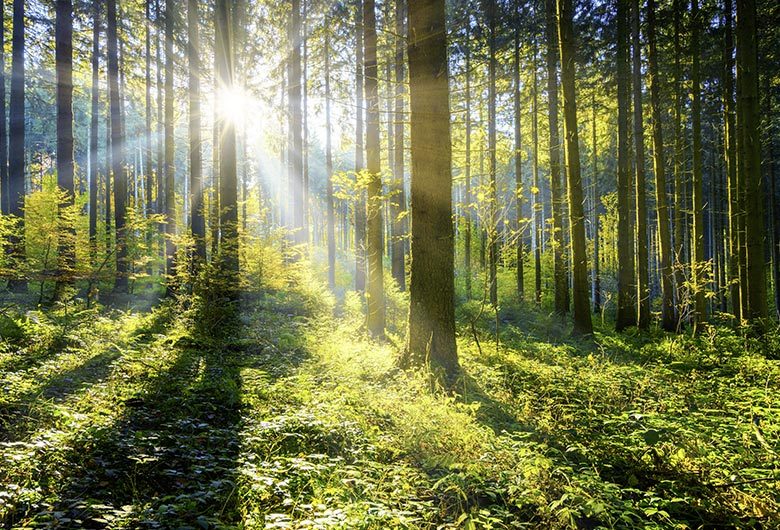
{"type": "Point", "coordinates": [626, 308]}
{"type": "Point", "coordinates": [160, 199]}
{"type": "Point", "coordinates": [518, 111]}
{"type": "Point", "coordinates": [399, 197]}
{"type": "Point", "coordinates": [730, 149]}
{"type": "Point", "coordinates": [197, 219]}
{"type": "Point", "coordinates": [537, 195]}
{"type": "Point", "coordinates": [93, 134]}
{"type": "Point", "coordinates": [118, 151]}
{"type": "Point", "coordinates": [375, 287]}
{"type": "Point", "coordinates": [659, 168]}
{"type": "Point", "coordinates": [296, 121]}
{"type": "Point", "coordinates": [559, 267]}
{"type": "Point", "coordinates": [148, 173]}
{"type": "Point", "coordinates": [642, 258]}
{"type": "Point", "coordinates": [492, 228]}
{"type": "Point", "coordinates": [467, 206]}
{"type": "Point", "coordinates": [698, 263]}
{"type": "Point", "coordinates": [596, 276]}
{"type": "Point", "coordinates": [5, 192]}
{"type": "Point", "coordinates": [16, 142]}
{"type": "Point", "coordinates": [360, 203]}
{"type": "Point", "coordinates": [228, 185]}
{"type": "Point", "coordinates": [679, 178]}
{"type": "Point", "coordinates": [579, 259]}
{"type": "Point", "coordinates": [63, 39]}
{"type": "Point", "coordinates": [749, 163]}
{"type": "Point", "coordinates": [329, 170]}
{"type": "Point", "coordinates": [431, 336]}
{"type": "Point", "coordinates": [170, 170]}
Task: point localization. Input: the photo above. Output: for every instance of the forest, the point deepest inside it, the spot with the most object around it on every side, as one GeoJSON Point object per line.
{"type": "Point", "coordinates": [367, 264]}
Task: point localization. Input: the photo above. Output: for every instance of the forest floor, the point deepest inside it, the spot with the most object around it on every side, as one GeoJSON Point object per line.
{"type": "Point", "coordinates": [292, 419]}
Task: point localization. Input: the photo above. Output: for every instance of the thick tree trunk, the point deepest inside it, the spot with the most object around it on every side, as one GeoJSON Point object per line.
{"type": "Point", "coordinates": [680, 261]}
{"type": "Point", "coordinates": [16, 165]}
{"type": "Point", "coordinates": [228, 185]}
{"type": "Point", "coordinates": [698, 263]}
{"type": "Point", "coordinates": [375, 287]}
{"type": "Point", "coordinates": [431, 336]}
{"type": "Point", "coordinates": [659, 168]}
{"type": "Point", "coordinates": [559, 266]}
{"type": "Point", "coordinates": [626, 307]}
{"type": "Point", "coordinates": [579, 259]}
{"type": "Point", "coordinates": [117, 152]}
{"type": "Point", "coordinates": [642, 259]}
{"type": "Point", "coordinates": [197, 218]}
{"type": "Point", "coordinates": [397, 249]}
{"type": "Point", "coordinates": [63, 39]}
{"type": "Point", "coordinates": [755, 309]}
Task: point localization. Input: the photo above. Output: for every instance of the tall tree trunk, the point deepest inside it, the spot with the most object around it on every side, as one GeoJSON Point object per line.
{"type": "Point", "coordinates": [642, 258]}
{"type": "Point", "coordinates": [432, 286]}
{"type": "Point", "coordinates": [518, 112]}
{"type": "Point", "coordinates": [679, 177]}
{"type": "Point", "coordinates": [329, 170]}
{"type": "Point", "coordinates": [170, 170]}
{"type": "Point", "coordinates": [626, 308]}
{"type": "Point", "coordinates": [117, 152]}
{"type": "Point", "coordinates": [730, 149]}
{"type": "Point", "coordinates": [296, 122]}
{"type": "Point", "coordinates": [228, 185]}
{"type": "Point", "coordinates": [559, 267]}
{"type": "Point", "coordinates": [399, 197]}
{"type": "Point", "coordinates": [579, 259]}
{"type": "Point", "coordinates": [375, 288]}
{"type": "Point", "coordinates": [537, 195]}
{"type": "Point", "coordinates": [197, 218]}
{"type": "Point", "coordinates": [467, 206]}
{"type": "Point", "coordinates": [148, 174]}
{"type": "Point", "coordinates": [749, 163]}
{"type": "Point", "coordinates": [63, 39]}
{"type": "Point", "coordinates": [93, 134]}
{"type": "Point", "coordinates": [16, 165]}
{"type": "Point", "coordinates": [659, 168]}
{"type": "Point", "coordinates": [160, 200]}
{"type": "Point", "coordinates": [360, 203]}
{"type": "Point", "coordinates": [698, 263]}
{"type": "Point", "coordinates": [5, 192]}
{"type": "Point", "coordinates": [595, 275]}
{"type": "Point", "coordinates": [492, 228]}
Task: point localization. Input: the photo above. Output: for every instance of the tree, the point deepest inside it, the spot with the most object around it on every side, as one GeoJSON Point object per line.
{"type": "Point", "coordinates": [360, 203]}
{"type": "Point", "coordinates": [295, 153]}
{"type": "Point", "coordinates": [5, 205]}
{"type": "Point", "coordinates": [537, 196]}
{"type": "Point", "coordinates": [398, 202]}
{"type": "Point", "coordinates": [117, 151]}
{"type": "Point", "coordinates": [559, 269]}
{"type": "Point", "coordinates": [93, 132]}
{"type": "Point", "coordinates": [518, 159]}
{"type": "Point", "coordinates": [749, 163]}
{"type": "Point", "coordinates": [228, 185]}
{"type": "Point", "coordinates": [679, 180]}
{"type": "Point", "coordinates": [626, 308]}
{"type": "Point", "coordinates": [492, 229]}
{"type": "Point", "coordinates": [329, 170]}
{"type": "Point", "coordinates": [148, 174]}
{"type": "Point", "coordinates": [467, 169]}
{"type": "Point", "coordinates": [730, 159]}
{"type": "Point", "coordinates": [432, 284]}
{"type": "Point", "coordinates": [642, 258]}
{"type": "Point", "coordinates": [16, 146]}
{"type": "Point", "coordinates": [698, 262]}
{"type": "Point", "coordinates": [63, 39]}
{"type": "Point", "coordinates": [579, 259]}
{"type": "Point", "coordinates": [170, 168]}
{"type": "Point", "coordinates": [197, 218]}
{"type": "Point", "coordinates": [659, 168]}
{"type": "Point", "coordinates": [375, 288]}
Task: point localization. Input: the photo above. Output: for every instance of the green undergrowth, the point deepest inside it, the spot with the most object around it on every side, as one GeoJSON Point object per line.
{"type": "Point", "coordinates": [287, 417]}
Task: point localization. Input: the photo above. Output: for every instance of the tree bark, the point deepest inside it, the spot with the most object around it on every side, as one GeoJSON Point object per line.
{"type": "Point", "coordinates": [329, 171]}
{"type": "Point", "coordinates": [5, 192]}
{"type": "Point", "coordinates": [518, 160]}
{"type": "Point", "coordinates": [679, 178]}
{"type": "Point", "coordinates": [360, 202]}
{"type": "Point", "coordinates": [626, 307]}
{"type": "Point", "coordinates": [399, 196]}
{"type": "Point", "coordinates": [117, 152]}
{"type": "Point", "coordinates": [431, 336]}
{"type": "Point", "coordinates": [197, 218]}
{"type": "Point", "coordinates": [698, 263]}
{"type": "Point", "coordinates": [170, 169]}
{"type": "Point", "coordinates": [93, 134]}
{"type": "Point", "coordinates": [642, 259]}
{"type": "Point", "coordinates": [375, 287]}
{"type": "Point", "coordinates": [492, 228]}
{"type": "Point", "coordinates": [16, 142]}
{"type": "Point", "coordinates": [659, 168]}
{"type": "Point", "coordinates": [579, 259]}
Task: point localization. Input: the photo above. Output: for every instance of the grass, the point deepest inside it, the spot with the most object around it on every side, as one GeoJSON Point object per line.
{"type": "Point", "coordinates": [292, 419]}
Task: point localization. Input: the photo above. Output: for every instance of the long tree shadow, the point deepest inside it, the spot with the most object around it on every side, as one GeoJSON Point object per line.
{"type": "Point", "coordinates": [170, 458]}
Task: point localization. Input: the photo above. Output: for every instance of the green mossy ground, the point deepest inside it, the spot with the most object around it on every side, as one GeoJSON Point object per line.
{"type": "Point", "coordinates": [289, 418]}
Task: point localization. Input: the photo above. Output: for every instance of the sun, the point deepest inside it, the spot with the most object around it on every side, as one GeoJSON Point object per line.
{"type": "Point", "coordinates": [235, 105]}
